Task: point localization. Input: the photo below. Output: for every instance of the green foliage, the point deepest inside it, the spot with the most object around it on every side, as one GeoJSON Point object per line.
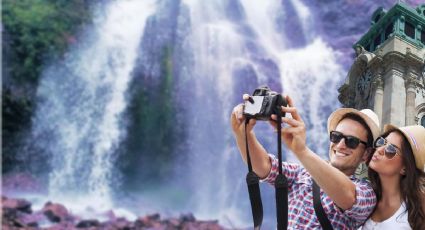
{"type": "Point", "coordinates": [34, 31]}
{"type": "Point", "coordinates": [39, 29]}
{"type": "Point", "coordinates": [15, 111]}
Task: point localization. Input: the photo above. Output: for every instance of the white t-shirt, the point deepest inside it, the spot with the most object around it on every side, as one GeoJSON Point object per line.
{"type": "Point", "coordinates": [398, 221]}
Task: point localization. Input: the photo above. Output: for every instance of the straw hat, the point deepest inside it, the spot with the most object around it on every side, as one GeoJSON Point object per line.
{"type": "Point", "coordinates": [415, 134]}
{"type": "Point", "coordinates": [367, 115]}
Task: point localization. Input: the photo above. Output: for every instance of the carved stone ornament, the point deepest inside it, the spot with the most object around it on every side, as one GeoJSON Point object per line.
{"type": "Point", "coordinates": [363, 84]}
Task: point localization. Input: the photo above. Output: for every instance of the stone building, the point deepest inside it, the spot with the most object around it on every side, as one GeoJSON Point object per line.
{"type": "Point", "coordinates": [388, 73]}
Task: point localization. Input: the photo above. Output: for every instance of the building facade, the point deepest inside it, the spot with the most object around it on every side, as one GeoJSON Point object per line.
{"type": "Point", "coordinates": [388, 73]}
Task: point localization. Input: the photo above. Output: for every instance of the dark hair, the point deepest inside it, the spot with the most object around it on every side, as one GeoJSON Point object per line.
{"type": "Point", "coordinates": [411, 185]}
{"type": "Point", "coordinates": [359, 119]}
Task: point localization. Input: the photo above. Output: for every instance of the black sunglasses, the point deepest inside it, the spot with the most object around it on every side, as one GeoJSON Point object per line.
{"type": "Point", "coordinates": [390, 150]}
{"type": "Point", "coordinates": [350, 141]}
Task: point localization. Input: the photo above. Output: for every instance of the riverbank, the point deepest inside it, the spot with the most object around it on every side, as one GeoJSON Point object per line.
{"type": "Point", "coordinates": [18, 214]}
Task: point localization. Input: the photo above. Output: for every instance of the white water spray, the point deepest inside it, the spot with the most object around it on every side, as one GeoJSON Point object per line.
{"type": "Point", "coordinates": [81, 104]}
{"type": "Point", "coordinates": [220, 48]}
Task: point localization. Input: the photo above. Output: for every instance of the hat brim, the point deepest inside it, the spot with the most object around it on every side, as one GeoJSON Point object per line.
{"type": "Point", "coordinates": [419, 157]}
{"type": "Point", "coordinates": [336, 117]}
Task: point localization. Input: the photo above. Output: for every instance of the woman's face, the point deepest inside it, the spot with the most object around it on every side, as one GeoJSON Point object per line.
{"type": "Point", "coordinates": [380, 161]}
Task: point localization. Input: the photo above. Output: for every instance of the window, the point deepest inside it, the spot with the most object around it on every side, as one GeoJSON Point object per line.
{"type": "Point", "coordinates": [409, 30]}
{"type": "Point", "coordinates": [377, 41]}
{"type": "Point", "coordinates": [423, 36]}
{"type": "Point", "coordinates": [423, 121]}
{"type": "Point", "coordinates": [388, 31]}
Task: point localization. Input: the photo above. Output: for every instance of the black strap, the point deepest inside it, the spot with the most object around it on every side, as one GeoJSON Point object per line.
{"type": "Point", "coordinates": [252, 181]}
{"type": "Point", "coordinates": [281, 184]}
{"type": "Point", "coordinates": [320, 213]}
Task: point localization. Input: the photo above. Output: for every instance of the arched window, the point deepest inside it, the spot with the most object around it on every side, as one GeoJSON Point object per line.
{"type": "Point", "coordinates": [423, 121]}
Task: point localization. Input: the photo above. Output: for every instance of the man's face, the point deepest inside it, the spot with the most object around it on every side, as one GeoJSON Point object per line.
{"type": "Point", "coordinates": [342, 157]}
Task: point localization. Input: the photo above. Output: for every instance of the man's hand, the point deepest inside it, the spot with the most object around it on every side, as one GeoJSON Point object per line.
{"type": "Point", "coordinates": [333, 182]}
{"type": "Point", "coordinates": [294, 135]}
{"type": "Point", "coordinates": [259, 158]}
{"type": "Point", "coordinates": [238, 119]}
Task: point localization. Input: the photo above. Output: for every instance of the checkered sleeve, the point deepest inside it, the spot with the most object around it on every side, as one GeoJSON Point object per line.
{"type": "Point", "coordinates": [365, 202]}
{"type": "Point", "coordinates": [290, 170]}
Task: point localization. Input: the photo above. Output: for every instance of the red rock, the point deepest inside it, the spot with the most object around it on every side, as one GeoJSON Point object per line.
{"type": "Point", "coordinates": [19, 204]}
{"type": "Point", "coordinates": [56, 212]}
{"type": "Point", "coordinates": [15, 216]}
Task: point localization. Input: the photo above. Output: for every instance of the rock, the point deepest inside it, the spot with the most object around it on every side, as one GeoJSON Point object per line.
{"type": "Point", "coordinates": [17, 214]}
{"type": "Point", "coordinates": [18, 204]}
{"type": "Point", "coordinates": [88, 223]}
{"type": "Point", "coordinates": [148, 221]}
{"type": "Point", "coordinates": [32, 220]}
{"type": "Point", "coordinates": [154, 217]}
{"type": "Point", "coordinates": [122, 223]}
{"type": "Point", "coordinates": [61, 226]}
{"type": "Point", "coordinates": [202, 225]}
{"type": "Point", "coordinates": [9, 213]}
{"type": "Point", "coordinates": [173, 223]}
{"type": "Point", "coordinates": [187, 217]}
{"type": "Point", "coordinates": [56, 212]}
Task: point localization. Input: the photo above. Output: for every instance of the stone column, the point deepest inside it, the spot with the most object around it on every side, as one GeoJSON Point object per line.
{"type": "Point", "coordinates": [379, 96]}
{"type": "Point", "coordinates": [394, 104]}
{"type": "Point", "coordinates": [410, 101]}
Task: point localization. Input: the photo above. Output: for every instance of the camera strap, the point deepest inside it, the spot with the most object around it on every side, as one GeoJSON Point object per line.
{"type": "Point", "coordinates": [281, 186]}
{"type": "Point", "coordinates": [252, 181]}
{"type": "Point", "coordinates": [281, 183]}
{"type": "Point", "coordinates": [318, 208]}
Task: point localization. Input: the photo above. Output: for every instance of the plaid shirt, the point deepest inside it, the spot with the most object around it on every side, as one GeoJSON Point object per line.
{"type": "Point", "coordinates": [301, 214]}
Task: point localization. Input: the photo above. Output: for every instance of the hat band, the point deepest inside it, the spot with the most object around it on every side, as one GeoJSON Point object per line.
{"type": "Point", "coordinates": [413, 140]}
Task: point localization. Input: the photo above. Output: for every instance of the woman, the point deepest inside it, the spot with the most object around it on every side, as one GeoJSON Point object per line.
{"type": "Point", "coordinates": [396, 171]}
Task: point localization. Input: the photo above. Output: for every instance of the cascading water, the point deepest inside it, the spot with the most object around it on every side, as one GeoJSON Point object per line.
{"type": "Point", "coordinates": [234, 53]}
{"type": "Point", "coordinates": [207, 53]}
{"type": "Point", "coordinates": [78, 121]}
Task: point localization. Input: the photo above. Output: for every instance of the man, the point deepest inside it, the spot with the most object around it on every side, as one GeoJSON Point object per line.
{"type": "Point", "coordinates": [346, 200]}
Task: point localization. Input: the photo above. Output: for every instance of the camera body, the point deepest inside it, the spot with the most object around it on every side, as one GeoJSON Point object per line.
{"type": "Point", "coordinates": [263, 104]}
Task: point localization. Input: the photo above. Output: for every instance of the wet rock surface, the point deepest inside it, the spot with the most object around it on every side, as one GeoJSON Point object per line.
{"type": "Point", "coordinates": [18, 214]}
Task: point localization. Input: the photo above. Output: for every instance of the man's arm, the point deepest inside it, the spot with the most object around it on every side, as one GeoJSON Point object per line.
{"type": "Point", "coordinates": [260, 160]}
{"type": "Point", "coordinates": [333, 182]}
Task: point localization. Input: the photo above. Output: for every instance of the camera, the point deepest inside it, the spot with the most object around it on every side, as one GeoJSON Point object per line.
{"type": "Point", "coordinates": [263, 103]}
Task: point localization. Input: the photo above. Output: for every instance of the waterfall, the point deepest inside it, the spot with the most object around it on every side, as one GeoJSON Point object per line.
{"type": "Point", "coordinates": [206, 54]}
{"type": "Point", "coordinates": [81, 98]}
{"type": "Point", "coordinates": [234, 54]}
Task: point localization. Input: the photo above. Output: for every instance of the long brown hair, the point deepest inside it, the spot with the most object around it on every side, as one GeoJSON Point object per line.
{"type": "Point", "coordinates": [411, 185]}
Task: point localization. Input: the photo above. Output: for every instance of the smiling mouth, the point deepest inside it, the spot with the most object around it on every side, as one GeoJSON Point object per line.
{"type": "Point", "coordinates": [339, 154]}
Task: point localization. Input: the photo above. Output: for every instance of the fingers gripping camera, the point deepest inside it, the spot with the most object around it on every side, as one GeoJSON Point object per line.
{"type": "Point", "coordinates": [263, 104]}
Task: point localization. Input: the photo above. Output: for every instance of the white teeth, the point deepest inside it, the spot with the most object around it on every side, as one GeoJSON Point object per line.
{"type": "Point", "coordinates": [340, 154]}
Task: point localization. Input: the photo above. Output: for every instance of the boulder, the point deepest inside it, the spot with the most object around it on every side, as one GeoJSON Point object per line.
{"type": "Point", "coordinates": [56, 212]}
{"type": "Point", "coordinates": [88, 224]}
{"type": "Point", "coordinates": [17, 214]}
{"type": "Point", "coordinates": [18, 204]}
